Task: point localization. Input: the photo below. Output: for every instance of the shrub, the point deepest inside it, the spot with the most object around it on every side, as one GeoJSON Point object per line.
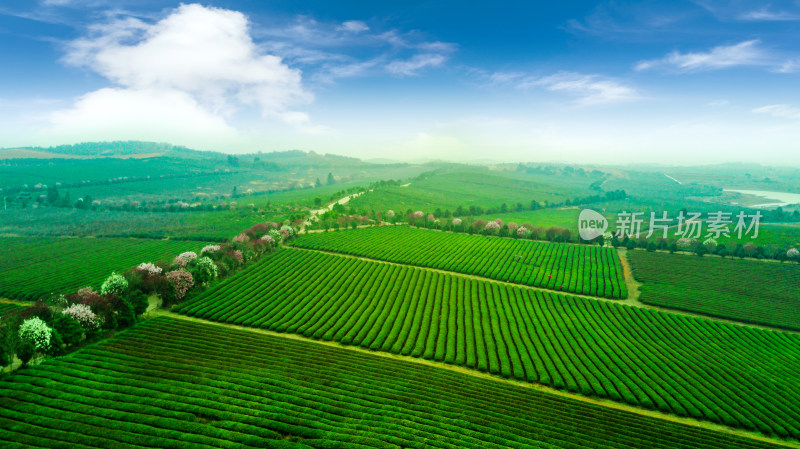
{"type": "Point", "coordinates": [85, 293]}
{"type": "Point", "coordinates": [116, 284]}
{"type": "Point", "coordinates": [686, 244]}
{"type": "Point", "coordinates": [83, 314]}
{"type": "Point", "coordinates": [210, 249]}
{"type": "Point", "coordinates": [289, 230]}
{"type": "Point", "coordinates": [148, 269]}
{"type": "Point", "coordinates": [68, 328]}
{"type": "Point", "coordinates": [184, 259]}
{"type": "Point", "coordinates": [25, 351]}
{"type": "Point", "coordinates": [181, 281]}
{"type": "Point", "coordinates": [36, 331]}
{"type": "Point", "coordinates": [276, 235]}
{"type": "Point", "coordinates": [139, 302]}
{"type": "Point", "coordinates": [492, 227]}
{"type": "Point", "coordinates": [205, 271]}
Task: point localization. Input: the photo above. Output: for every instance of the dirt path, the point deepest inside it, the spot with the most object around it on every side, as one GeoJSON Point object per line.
{"type": "Point", "coordinates": [317, 212]}
{"type": "Point", "coordinates": [630, 282]}
{"type": "Point", "coordinates": [17, 302]}
{"type": "Point", "coordinates": [515, 383]}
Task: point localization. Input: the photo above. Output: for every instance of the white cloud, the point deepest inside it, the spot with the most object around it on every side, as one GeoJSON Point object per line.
{"type": "Point", "coordinates": [411, 66]}
{"type": "Point", "coordinates": [588, 89]}
{"type": "Point", "coordinates": [353, 26]}
{"type": "Point", "coordinates": [765, 15]}
{"type": "Point", "coordinates": [779, 110]}
{"type": "Point", "coordinates": [155, 114]}
{"type": "Point", "coordinates": [192, 69]}
{"type": "Point", "coordinates": [747, 53]}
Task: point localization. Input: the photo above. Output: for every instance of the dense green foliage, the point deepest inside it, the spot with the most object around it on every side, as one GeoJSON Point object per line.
{"type": "Point", "coordinates": [465, 186]}
{"type": "Point", "coordinates": [724, 373]}
{"type": "Point", "coordinates": [6, 308]}
{"type": "Point", "coordinates": [33, 268]}
{"type": "Point", "coordinates": [743, 290]}
{"type": "Point", "coordinates": [589, 270]}
{"type": "Point", "coordinates": [168, 383]}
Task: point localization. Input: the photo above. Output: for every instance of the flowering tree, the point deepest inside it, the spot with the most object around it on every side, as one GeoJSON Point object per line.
{"type": "Point", "coordinates": [492, 227]}
{"type": "Point", "coordinates": [241, 238]}
{"type": "Point", "coordinates": [35, 331]}
{"type": "Point", "coordinates": [210, 249]}
{"type": "Point", "coordinates": [85, 293]}
{"type": "Point", "coordinates": [686, 244]}
{"type": "Point", "coordinates": [289, 230]}
{"type": "Point", "coordinates": [390, 213]}
{"type": "Point", "coordinates": [149, 269]}
{"type": "Point", "coordinates": [456, 222]}
{"type": "Point", "coordinates": [83, 314]}
{"type": "Point", "coordinates": [114, 284]}
{"type": "Point", "coordinates": [430, 217]}
{"type": "Point", "coordinates": [512, 228]}
{"type": "Point", "coordinates": [184, 259]}
{"type": "Point", "coordinates": [237, 256]}
{"type": "Point", "coordinates": [499, 222]}
{"type": "Point", "coordinates": [710, 244]}
{"type": "Point", "coordinates": [182, 281]}
{"type": "Point", "coordinates": [793, 253]}
{"type": "Point", "coordinates": [522, 231]}
{"type": "Point", "coordinates": [206, 270]}
{"type": "Point", "coordinates": [276, 235]}
{"type": "Point", "coordinates": [269, 239]}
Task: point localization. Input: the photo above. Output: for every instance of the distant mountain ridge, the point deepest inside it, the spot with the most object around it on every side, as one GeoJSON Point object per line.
{"type": "Point", "coordinates": [122, 149]}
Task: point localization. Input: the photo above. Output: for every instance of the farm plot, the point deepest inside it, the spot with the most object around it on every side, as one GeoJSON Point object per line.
{"type": "Point", "coordinates": [720, 372]}
{"type": "Point", "coordinates": [587, 270]}
{"type": "Point", "coordinates": [32, 268]}
{"type": "Point", "coordinates": [171, 383]}
{"type": "Point", "coordinates": [6, 308]}
{"type": "Point", "coordinates": [744, 290]}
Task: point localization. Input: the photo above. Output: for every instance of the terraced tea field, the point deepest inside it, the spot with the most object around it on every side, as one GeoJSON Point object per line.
{"type": "Point", "coordinates": [171, 383]}
{"type": "Point", "coordinates": [31, 268]}
{"type": "Point", "coordinates": [727, 288]}
{"type": "Point", "coordinates": [688, 366]}
{"type": "Point", "coordinates": [583, 269]}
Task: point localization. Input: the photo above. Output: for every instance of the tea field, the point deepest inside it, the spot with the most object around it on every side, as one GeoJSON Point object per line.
{"type": "Point", "coordinates": [31, 268]}
{"type": "Point", "coordinates": [688, 366]}
{"type": "Point", "coordinates": [171, 383]}
{"type": "Point", "coordinates": [583, 269]}
{"type": "Point", "coordinates": [727, 288]}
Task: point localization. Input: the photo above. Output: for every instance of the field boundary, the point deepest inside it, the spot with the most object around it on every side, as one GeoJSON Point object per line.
{"type": "Point", "coordinates": [633, 286]}
{"type": "Point", "coordinates": [483, 375]}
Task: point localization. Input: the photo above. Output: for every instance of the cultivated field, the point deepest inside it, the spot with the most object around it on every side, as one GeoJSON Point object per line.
{"type": "Point", "coordinates": [169, 383]}
{"type": "Point", "coordinates": [6, 308]}
{"type": "Point", "coordinates": [583, 269]}
{"type": "Point", "coordinates": [688, 366]}
{"type": "Point", "coordinates": [728, 288]}
{"type": "Point", "coordinates": [64, 265]}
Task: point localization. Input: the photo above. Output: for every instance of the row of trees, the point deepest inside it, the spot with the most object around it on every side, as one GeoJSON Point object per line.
{"type": "Point", "coordinates": [54, 324]}
{"type": "Point", "coordinates": [709, 246]}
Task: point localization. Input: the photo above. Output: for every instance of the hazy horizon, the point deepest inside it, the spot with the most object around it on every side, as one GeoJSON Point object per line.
{"type": "Point", "coordinates": [689, 83]}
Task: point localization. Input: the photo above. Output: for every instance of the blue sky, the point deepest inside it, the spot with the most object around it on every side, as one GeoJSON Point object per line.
{"type": "Point", "coordinates": [595, 82]}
